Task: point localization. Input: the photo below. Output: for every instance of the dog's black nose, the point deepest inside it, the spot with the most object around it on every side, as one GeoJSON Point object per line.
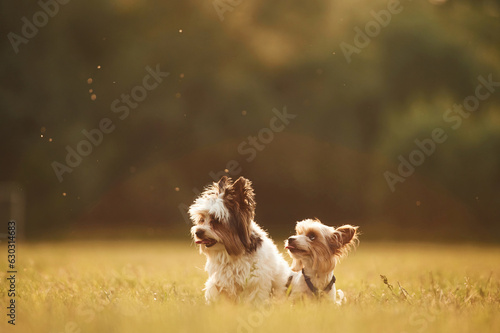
{"type": "Point", "coordinates": [291, 240]}
{"type": "Point", "coordinates": [199, 233]}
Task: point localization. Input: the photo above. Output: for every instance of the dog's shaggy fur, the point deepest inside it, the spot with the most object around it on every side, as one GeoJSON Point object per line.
{"type": "Point", "coordinates": [243, 263]}
{"type": "Point", "coordinates": [315, 250]}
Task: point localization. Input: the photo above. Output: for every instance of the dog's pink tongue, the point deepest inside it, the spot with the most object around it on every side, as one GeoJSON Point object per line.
{"type": "Point", "coordinates": [289, 247]}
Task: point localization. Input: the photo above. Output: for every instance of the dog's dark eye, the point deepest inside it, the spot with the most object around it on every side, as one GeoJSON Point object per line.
{"type": "Point", "coordinates": [202, 220]}
{"type": "Point", "coordinates": [311, 236]}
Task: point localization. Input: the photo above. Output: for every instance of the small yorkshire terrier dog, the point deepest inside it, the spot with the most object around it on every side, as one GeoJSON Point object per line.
{"type": "Point", "coordinates": [315, 250]}
{"type": "Point", "coordinates": [243, 263]}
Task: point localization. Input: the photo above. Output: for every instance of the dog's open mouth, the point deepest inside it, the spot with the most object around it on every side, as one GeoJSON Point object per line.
{"type": "Point", "coordinates": [292, 248]}
{"type": "Point", "coordinates": [208, 242]}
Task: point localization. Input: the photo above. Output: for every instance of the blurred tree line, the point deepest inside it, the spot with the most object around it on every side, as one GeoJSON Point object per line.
{"type": "Point", "coordinates": [353, 119]}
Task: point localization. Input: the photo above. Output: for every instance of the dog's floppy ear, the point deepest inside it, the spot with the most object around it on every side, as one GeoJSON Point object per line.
{"type": "Point", "coordinates": [239, 199]}
{"type": "Point", "coordinates": [234, 246]}
{"type": "Point", "coordinates": [243, 192]}
{"type": "Point", "coordinates": [343, 239]}
{"type": "Point", "coordinates": [222, 184]}
{"type": "Point", "coordinates": [348, 233]}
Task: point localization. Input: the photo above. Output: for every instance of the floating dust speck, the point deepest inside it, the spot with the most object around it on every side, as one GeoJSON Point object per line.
{"type": "Point", "coordinates": [91, 91]}
{"type": "Point", "coordinates": [89, 80]}
{"type": "Point", "coordinates": [177, 189]}
{"type": "Point", "coordinates": [180, 31]}
{"type": "Point", "coordinates": [64, 194]}
{"type": "Point", "coordinates": [98, 66]}
{"type": "Point", "coordinates": [41, 135]}
{"type": "Point", "coordinates": [43, 129]}
{"type": "Point", "coordinates": [50, 139]}
{"type": "Point", "coordinates": [417, 203]}
{"type": "Point", "coordinates": [181, 75]}
{"type": "Point", "coordinates": [93, 97]}
{"type": "Point", "coordinates": [178, 95]}
{"type": "Point", "coordinates": [244, 112]}
{"type": "Point", "coordinates": [226, 170]}
{"type": "Point", "coordinates": [333, 53]}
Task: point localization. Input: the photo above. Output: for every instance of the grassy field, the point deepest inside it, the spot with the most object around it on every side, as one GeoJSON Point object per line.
{"type": "Point", "coordinates": [157, 287]}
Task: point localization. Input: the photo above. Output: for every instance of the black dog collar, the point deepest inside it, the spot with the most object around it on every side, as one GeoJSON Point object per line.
{"type": "Point", "coordinates": [313, 288]}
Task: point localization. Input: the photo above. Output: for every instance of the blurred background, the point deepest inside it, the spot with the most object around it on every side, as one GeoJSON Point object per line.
{"type": "Point", "coordinates": [360, 81]}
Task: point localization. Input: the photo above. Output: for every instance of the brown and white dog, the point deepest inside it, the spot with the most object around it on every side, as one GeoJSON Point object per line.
{"type": "Point", "coordinates": [315, 250]}
{"type": "Point", "coordinates": [243, 263]}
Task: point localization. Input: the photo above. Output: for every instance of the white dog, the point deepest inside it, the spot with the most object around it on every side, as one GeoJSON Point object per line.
{"type": "Point", "coordinates": [243, 263]}
{"type": "Point", "coordinates": [315, 250]}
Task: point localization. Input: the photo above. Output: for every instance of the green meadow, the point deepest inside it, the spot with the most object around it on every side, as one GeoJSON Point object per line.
{"type": "Point", "coordinates": [139, 286]}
